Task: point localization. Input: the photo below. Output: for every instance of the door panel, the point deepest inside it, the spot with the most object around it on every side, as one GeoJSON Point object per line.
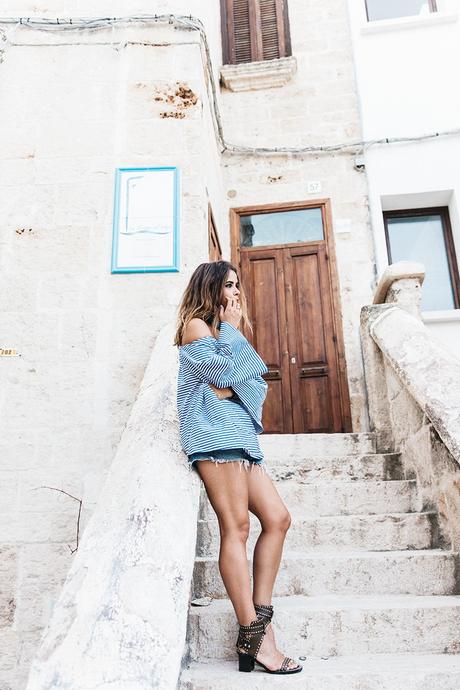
{"type": "Point", "coordinates": [314, 404]}
{"type": "Point", "coordinates": [314, 374]}
{"type": "Point", "coordinates": [306, 293]}
{"type": "Point", "coordinates": [264, 284]}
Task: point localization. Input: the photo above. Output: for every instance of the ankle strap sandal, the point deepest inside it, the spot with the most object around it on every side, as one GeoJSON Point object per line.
{"type": "Point", "coordinates": [265, 612]}
{"type": "Point", "coordinates": [249, 641]}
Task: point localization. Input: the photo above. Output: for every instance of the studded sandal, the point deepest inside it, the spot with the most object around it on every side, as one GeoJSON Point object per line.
{"type": "Point", "coordinates": [249, 641]}
{"type": "Point", "coordinates": [264, 611]}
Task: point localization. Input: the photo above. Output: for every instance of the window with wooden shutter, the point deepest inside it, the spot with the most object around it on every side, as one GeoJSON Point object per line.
{"type": "Point", "coordinates": [254, 30]}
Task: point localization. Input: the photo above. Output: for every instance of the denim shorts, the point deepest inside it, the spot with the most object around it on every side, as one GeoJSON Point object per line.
{"type": "Point", "coordinates": [225, 455]}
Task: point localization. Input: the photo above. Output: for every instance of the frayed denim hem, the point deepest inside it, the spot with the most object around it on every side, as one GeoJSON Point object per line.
{"type": "Point", "coordinates": [243, 462]}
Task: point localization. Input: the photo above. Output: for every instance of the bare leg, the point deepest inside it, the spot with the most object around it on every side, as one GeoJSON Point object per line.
{"type": "Point", "coordinates": [226, 485]}
{"type": "Point", "coordinates": [265, 502]}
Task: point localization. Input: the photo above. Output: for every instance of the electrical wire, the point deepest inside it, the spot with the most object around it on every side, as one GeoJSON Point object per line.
{"type": "Point", "coordinates": [190, 23]}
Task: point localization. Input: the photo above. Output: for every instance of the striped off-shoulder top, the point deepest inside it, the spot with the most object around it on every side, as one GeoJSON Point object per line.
{"type": "Point", "coordinates": [205, 421]}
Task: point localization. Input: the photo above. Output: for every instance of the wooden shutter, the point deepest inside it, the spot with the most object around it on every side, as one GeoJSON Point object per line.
{"type": "Point", "coordinates": [254, 30]}
{"type": "Point", "coordinates": [215, 252]}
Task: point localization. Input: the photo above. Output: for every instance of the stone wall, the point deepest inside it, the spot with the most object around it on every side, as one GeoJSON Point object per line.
{"type": "Point", "coordinates": [414, 400]}
{"type": "Point", "coordinates": [70, 115]}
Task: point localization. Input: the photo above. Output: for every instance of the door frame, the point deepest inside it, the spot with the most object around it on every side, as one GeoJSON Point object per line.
{"type": "Point", "coordinates": [326, 212]}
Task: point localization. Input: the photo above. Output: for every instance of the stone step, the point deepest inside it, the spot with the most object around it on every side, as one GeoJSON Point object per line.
{"type": "Point", "coordinates": [336, 625]}
{"type": "Point", "coordinates": [363, 672]}
{"type": "Point", "coordinates": [386, 572]}
{"type": "Point", "coordinates": [379, 466]}
{"type": "Point", "coordinates": [390, 532]}
{"type": "Point", "coordinates": [339, 498]}
{"type": "Point", "coordinates": [287, 447]}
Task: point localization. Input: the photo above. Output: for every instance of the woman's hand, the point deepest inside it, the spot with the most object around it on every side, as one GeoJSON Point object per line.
{"type": "Point", "coordinates": [222, 393]}
{"type": "Point", "coordinates": [231, 313]}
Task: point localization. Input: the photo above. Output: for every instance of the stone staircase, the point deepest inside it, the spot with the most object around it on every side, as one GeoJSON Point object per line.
{"type": "Point", "coordinates": [366, 590]}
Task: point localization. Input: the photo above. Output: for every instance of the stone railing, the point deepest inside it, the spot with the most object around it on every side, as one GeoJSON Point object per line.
{"type": "Point", "coordinates": [120, 622]}
{"type": "Point", "coordinates": [413, 387]}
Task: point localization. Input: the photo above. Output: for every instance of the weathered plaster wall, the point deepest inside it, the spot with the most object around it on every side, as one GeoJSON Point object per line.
{"type": "Point", "coordinates": [69, 117]}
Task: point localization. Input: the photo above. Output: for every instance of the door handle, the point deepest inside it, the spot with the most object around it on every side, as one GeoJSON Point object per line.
{"type": "Point", "coordinates": [313, 371]}
{"type": "Point", "coordinates": [273, 374]}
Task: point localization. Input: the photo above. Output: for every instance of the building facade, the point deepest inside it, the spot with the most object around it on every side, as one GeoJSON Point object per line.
{"type": "Point", "coordinates": [404, 58]}
{"type": "Point", "coordinates": [256, 105]}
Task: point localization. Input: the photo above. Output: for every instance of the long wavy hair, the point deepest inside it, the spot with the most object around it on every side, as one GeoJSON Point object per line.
{"type": "Point", "coordinates": [204, 295]}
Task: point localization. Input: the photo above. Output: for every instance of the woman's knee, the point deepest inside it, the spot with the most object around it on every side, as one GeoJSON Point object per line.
{"type": "Point", "coordinates": [235, 529]}
{"type": "Point", "coordinates": [280, 522]}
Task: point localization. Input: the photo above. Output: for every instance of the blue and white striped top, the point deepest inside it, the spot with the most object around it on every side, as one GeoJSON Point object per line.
{"type": "Point", "coordinates": [205, 422]}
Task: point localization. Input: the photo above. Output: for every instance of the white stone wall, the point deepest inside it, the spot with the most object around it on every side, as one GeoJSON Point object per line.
{"type": "Point", "coordinates": [70, 115]}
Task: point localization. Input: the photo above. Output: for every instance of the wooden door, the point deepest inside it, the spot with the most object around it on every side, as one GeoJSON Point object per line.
{"type": "Point", "coordinates": [291, 307]}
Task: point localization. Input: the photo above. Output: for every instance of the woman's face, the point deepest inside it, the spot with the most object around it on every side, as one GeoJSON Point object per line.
{"type": "Point", "coordinates": [231, 287]}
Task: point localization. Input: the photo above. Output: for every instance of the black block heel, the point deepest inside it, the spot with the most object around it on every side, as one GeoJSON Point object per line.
{"type": "Point", "coordinates": [245, 662]}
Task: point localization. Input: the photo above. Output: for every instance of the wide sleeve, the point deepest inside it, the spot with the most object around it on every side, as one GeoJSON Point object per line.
{"type": "Point", "coordinates": [225, 361]}
{"type": "Point", "coordinates": [252, 394]}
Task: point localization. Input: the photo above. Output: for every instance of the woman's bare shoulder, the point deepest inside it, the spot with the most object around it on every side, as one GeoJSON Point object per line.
{"type": "Point", "coordinates": [195, 329]}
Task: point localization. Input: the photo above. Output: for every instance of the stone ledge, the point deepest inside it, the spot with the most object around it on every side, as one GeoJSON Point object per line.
{"type": "Point", "coordinates": [426, 369]}
{"type": "Point", "coordinates": [266, 74]}
{"type": "Point", "coordinates": [398, 271]}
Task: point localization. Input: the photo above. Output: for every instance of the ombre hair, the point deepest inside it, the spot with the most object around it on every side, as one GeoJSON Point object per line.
{"type": "Point", "coordinates": [202, 298]}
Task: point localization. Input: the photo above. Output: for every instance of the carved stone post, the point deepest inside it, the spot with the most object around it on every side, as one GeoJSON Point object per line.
{"type": "Point", "coordinates": [400, 285]}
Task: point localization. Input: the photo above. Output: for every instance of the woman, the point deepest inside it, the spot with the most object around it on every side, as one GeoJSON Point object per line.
{"type": "Point", "coordinates": [220, 396]}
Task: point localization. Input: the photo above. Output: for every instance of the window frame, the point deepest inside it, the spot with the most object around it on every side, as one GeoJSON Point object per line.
{"type": "Point", "coordinates": [431, 4]}
{"type": "Point", "coordinates": [255, 31]}
{"type": "Point", "coordinates": [443, 212]}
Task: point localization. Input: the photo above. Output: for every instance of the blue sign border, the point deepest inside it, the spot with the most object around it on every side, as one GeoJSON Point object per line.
{"type": "Point", "coordinates": [174, 267]}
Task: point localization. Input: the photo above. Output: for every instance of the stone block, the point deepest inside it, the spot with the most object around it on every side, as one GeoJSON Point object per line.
{"type": "Point", "coordinates": [27, 206]}
{"type": "Point", "coordinates": [336, 625]}
{"type": "Point", "coordinates": [19, 291]}
{"type": "Point", "coordinates": [372, 672]}
{"type": "Point", "coordinates": [78, 336]}
{"type": "Point", "coordinates": [18, 456]}
{"type": "Point", "coordinates": [50, 248]}
{"type": "Point", "coordinates": [43, 570]}
{"type": "Point", "coordinates": [33, 335]}
{"type": "Point", "coordinates": [8, 585]}
{"type": "Point", "coordinates": [8, 490]}
{"type": "Point", "coordinates": [339, 533]}
{"type": "Point", "coordinates": [367, 573]}
{"type": "Point", "coordinates": [37, 527]}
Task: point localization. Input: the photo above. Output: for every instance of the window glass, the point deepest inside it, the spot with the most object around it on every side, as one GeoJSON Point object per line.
{"type": "Point", "coordinates": [284, 227]}
{"type": "Point", "coordinates": [389, 9]}
{"type": "Point", "coordinates": [421, 238]}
